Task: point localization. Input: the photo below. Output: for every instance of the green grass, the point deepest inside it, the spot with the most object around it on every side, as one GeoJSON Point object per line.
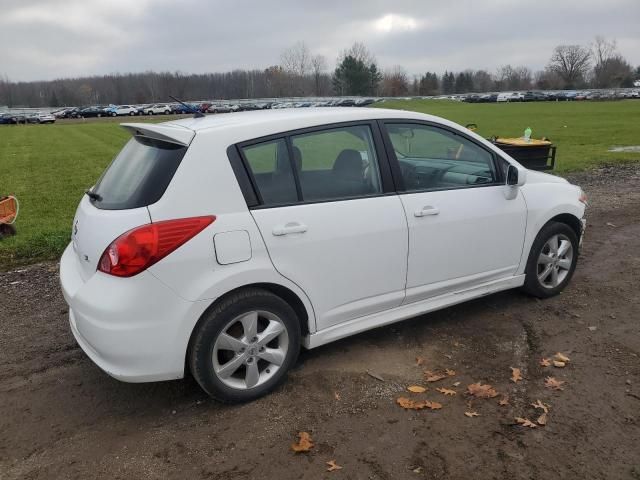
{"type": "Point", "coordinates": [582, 131]}
{"type": "Point", "coordinates": [49, 166]}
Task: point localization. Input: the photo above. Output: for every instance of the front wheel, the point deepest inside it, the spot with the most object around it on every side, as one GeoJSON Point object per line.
{"type": "Point", "coordinates": [244, 347]}
{"type": "Point", "coordinates": [552, 260]}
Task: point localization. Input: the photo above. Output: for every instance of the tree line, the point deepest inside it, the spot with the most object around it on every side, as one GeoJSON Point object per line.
{"type": "Point", "coordinates": [300, 74]}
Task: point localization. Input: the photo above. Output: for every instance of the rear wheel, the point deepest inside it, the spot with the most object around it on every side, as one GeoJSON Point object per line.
{"type": "Point", "coordinates": [552, 260]}
{"type": "Point", "coordinates": [244, 346]}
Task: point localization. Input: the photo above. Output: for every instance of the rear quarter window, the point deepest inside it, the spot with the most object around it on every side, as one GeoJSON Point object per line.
{"type": "Point", "coordinates": [139, 175]}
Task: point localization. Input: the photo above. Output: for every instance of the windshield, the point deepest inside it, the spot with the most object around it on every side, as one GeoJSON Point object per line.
{"type": "Point", "coordinates": [139, 175]}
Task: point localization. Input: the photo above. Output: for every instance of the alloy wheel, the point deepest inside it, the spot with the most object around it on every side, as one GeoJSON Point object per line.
{"type": "Point", "coordinates": [555, 260]}
{"type": "Point", "coordinates": [250, 349]}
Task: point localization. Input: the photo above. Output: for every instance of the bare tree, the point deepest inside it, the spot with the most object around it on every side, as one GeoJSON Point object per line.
{"type": "Point", "coordinates": [296, 59]}
{"type": "Point", "coordinates": [602, 50]}
{"type": "Point", "coordinates": [318, 65]}
{"type": "Point", "coordinates": [395, 82]}
{"type": "Point", "coordinates": [571, 63]}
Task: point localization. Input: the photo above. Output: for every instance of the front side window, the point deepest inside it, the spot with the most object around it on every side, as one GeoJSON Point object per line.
{"type": "Point", "coordinates": [432, 158]}
{"type": "Point", "coordinates": [336, 163]}
{"type": "Point", "coordinates": [271, 169]}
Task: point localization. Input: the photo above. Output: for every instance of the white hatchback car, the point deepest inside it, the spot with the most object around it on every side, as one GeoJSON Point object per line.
{"type": "Point", "coordinates": [223, 244]}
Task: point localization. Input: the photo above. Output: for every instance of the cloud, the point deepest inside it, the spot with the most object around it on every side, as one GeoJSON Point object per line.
{"type": "Point", "coordinates": [44, 39]}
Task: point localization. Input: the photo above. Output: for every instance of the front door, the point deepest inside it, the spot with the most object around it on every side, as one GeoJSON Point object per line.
{"type": "Point", "coordinates": [462, 230]}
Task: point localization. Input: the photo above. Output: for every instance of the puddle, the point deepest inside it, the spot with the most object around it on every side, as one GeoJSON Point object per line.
{"type": "Point", "coordinates": [629, 149]}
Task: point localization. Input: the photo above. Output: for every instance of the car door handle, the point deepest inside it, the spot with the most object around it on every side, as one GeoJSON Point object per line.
{"type": "Point", "coordinates": [292, 227]}
{"type": "Point", "coordinates": [428, 210]}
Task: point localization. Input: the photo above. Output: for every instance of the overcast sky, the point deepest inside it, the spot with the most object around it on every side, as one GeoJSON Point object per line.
{"type": "Point", "coordinates": [46, 39]}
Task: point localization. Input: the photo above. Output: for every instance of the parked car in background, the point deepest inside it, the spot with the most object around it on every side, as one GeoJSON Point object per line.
{"type": "Point", "coordinates": [219, 108]}
{"type": "Point", "coordinates": [122, 110]}
{"type": "Point", "coordinates": [372, 227]}
{"type": "Point", "coordinates": [504, 97]}
{"type": "Point", "coordinates": [41, 117]}
{"type": "Point", "coordinates": [93, 111]}
{"type": "Point", "coordinates": [157, 109]}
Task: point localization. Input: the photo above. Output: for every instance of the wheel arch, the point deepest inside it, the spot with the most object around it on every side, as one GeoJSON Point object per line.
{"type": "Point", "coordinates": [569, 219]}
{"type": "Point", "coordinates": [281, 291]}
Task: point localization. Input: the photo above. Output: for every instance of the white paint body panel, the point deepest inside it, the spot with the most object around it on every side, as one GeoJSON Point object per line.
{"type": "Point", "coordinates": [349, 269]}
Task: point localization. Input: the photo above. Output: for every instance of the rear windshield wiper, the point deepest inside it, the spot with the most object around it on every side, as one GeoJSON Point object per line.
{"type": "Point", "coordinates": [93, 195]}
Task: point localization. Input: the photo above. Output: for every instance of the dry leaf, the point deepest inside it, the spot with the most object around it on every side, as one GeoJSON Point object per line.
{"type": "Point", "coordinates": [525, 422]}
{"type": "Point", "coordinates": [332, 465]}
{"type": "Point", "coordinates": [516, 376]}
{"type": "Point", "coordinates": [542, 406]}
{"type": "Point", "coordinates": [471, 414]}
{"type": "Point", "coordinates": [561, 358]}
{"type": "Point", "coordinates": [432, 405]}
{"type": "Point", "coordinates": [304, 444]}
{"type": "Point", "coordinates": [433, 377]}
{"type": "Point", "coordinates": [455, 384]}
{"type": "Point", "coordinates": [504, 401]}
{"type": "Point", "coordinates": [419, 361]}
{"type": "Point", "coordinates": [542, 419]}
{"type": "Point", "coordinates": [558, 364]}
{"type": "Point", "coordinates": [450, 373]}
{"type": "Point", "coordinates": [446, 391]}
{"type": "Point", "coordinates": [409, 404]}
{"type": "Point", "coordinates": [545, 362]}
{"type": "Point", "coordinates": [336, 395]}
{"type": "Point", "coordinates": [416, 389]}
{"type": "Point", "coordinates": [553, 383]}
{"type": "Point", "coordinates": [481, 391]}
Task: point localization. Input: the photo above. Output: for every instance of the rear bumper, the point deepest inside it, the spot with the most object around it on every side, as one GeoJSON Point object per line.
{"type": "Point", "coordinates": [132, 328]}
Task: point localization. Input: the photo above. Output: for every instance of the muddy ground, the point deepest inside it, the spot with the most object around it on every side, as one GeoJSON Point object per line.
{"type": "Point", "coordinates": [61, 417]}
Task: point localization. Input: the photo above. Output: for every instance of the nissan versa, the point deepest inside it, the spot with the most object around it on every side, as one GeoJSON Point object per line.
{"type": "Point", "coordinates": [223, 244]}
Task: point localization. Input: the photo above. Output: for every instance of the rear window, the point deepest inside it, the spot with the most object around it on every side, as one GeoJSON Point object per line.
{"type": "Point", "coordinates": [139, 175]}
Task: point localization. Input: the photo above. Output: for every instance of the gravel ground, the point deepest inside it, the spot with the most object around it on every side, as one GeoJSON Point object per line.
{"type": "Point", "coordinates": [64, 418]}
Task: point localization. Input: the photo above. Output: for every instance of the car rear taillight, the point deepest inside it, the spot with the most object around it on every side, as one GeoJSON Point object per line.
{"type": "Point", "coordinates": [138, 249]}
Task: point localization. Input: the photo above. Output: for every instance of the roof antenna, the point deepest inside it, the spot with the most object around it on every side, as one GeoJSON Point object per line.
{"type": "Point", "coordinates": [196, 113]}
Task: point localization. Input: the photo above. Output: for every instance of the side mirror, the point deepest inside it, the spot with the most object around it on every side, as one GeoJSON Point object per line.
{"type": "Point", "coordinates": [515, 176]}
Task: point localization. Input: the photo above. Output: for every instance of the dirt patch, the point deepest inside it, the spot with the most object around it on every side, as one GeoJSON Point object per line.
{"type": "Point", "coordinates": [64, 418]}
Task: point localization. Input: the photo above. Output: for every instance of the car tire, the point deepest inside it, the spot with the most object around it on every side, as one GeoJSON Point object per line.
{"type": "Point", "coordinates": [149, 112]}
{"type": "Point", "coordinates": [114, 114]}
{"type": "Point", "coordinates": [236, 348]}
{"type": "Point", "coordinates": [131, 114]}
{"type": "Point", "coordinates": [167, 112]}
{"type": "Point", "coordinates": [552, 260]}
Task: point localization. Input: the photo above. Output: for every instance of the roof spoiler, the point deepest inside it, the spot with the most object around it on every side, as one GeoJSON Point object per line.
{"type": "Point", "coordinates": [166, 133]}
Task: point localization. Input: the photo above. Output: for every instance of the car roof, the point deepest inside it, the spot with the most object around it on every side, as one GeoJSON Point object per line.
{"type": "Point", "coordinates": [281, 120]}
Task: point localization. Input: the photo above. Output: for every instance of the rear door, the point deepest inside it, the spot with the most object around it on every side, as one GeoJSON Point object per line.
{"type": "Point", "coordinates": [330, 220]}
{"type": "Point", "coordinates": [462, 230]}
{"type": "Point", "coordinates": [137, 177]}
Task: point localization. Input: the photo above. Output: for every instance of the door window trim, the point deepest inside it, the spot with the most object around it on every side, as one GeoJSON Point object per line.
{"type": "Point", "coordinates": [244, 174]}
{"type": "Point", "coordinates": [395, 164]}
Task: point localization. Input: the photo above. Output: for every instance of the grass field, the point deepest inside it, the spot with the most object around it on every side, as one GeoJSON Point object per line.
{"type": "Point", "coordinates": [49, 166]}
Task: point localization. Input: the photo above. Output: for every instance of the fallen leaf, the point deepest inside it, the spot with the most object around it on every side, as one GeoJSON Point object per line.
{"type": "Point", "coordinates": [455, 384]}
{"type": "Point", "coordinates": [561, 358]}
{"type": "Point", "coordinates": [336, 395]}
{"type": "Point", "coordinates": [409, 404]}
{"type": "Point", "coordinates": [471, 414]}
{"type": "Point", "coordinates": [419, 361]}
{"type": "Point", "coordinates": [553, 383]}
{"type": "Point", "coordinates": [375, 375]}
{"type": "Point", "coordinates": [609, 224]}
{"type": "Point", "coordinates": [545, 362]}
{"type": "Point", "coordinates": [432, 376]}
{"type": "Point", "coordinates": [542, 419]}
{"type": "Point", "coordinates": [417, 470]}
{"type": "Point", "coordinates": [481, 391]}
{"type": "Point", "coordinates": [450, 373]}
{"type": "Point", "coordinates": [416, 389]}
{"type": "Point", "coordinates": [432, 405]}
{"type": "Point", "coordinates": [446, 391]}
{"type": "Point", "coordinates": [516, 376]}
{"type": "Point", "coordinates": [558, 364]}
{"type": "Point", "coordinates": [542, 406]}
{"type": "Point", "coordinates": [332, 465]}
{"type": "Point", "coordinates": [304, 444]}
{"type": "Point", "coordinates": [525, 422]}
{"type": "Point", "coordinates": [447, 356]}
{"type": "Point", "coordinates": [504, 401]}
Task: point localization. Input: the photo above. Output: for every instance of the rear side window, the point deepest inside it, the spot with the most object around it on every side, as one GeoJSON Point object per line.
{"type": "Point", "coordinates": [271, 168]}
{"type": "Point", "coordinates": [139, 175]}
